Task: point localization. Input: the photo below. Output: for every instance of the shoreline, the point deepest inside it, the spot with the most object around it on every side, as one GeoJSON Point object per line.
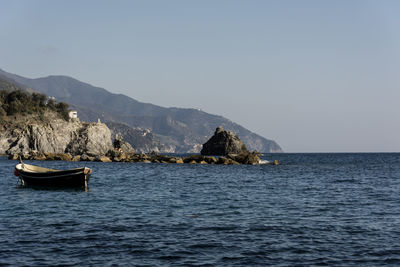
{"type": "Point", "coordinates": [114, 156]}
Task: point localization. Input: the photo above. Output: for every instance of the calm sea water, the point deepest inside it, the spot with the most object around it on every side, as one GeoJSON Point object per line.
{"type": "Point", "coordinates": [314, 209]}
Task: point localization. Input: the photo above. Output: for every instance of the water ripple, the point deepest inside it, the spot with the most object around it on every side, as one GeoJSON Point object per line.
{"type": "Point", "coordinates": [313, 210]}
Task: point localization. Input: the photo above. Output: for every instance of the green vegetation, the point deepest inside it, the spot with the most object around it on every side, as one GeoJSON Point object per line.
{"type": "Point", "coordinates": [21, 103]}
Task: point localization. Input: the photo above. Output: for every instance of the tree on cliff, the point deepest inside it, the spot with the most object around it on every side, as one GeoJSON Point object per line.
{"type": "Point", "coordinates": [20, 102]}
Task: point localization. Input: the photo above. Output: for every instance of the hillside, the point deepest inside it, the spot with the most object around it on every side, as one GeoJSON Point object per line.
{"type": "Point", "coordinates": [180, 130]}
{"type": "Point", "coordinates": [14, 101]}
{"type": "Point", "coordinates": [8, 86]}
{"type": "Point", "coordinates": [142, 140]}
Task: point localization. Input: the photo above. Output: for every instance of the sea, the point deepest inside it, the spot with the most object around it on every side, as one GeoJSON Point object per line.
{"type": "Point", "coordinates": [328, 209]}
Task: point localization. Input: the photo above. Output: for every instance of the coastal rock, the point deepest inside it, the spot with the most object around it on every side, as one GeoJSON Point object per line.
{"type": "Point", "coordinates": [39, 157]}
{"type": "Point", "coordinates": [92, 139]}
{"type": "Point", "coordinates": [222, 143]}
{"type": "Point", "coordinates": [86, 158]}
{"type": "Point", "coordinates": [178, 161]}
{"type": "Point", "coordinates": [193, 159]}
{"type": "Point", "coordinates": [200, 159]}
{"type": "Point", "coordinates": [4, 141]}
{"type": "Point", "coordinates": [63, 156]}
{"type": "Point", "coordinates": [226, 161]}
{"type": "Point", "coordinates": [76, 158]}
{"type": "Point", "coordinates": [246, 158]}
{"type": "Point", "coordinates": [13, 157]}
{"type": "Point", "coordinates": [121, 145]}
{"type": "Point", "coordinates": [49, 156]}
{"type": "Point", "coordinates": [57, 137]}
{"type": "Point", "coordinates": [103, 159]}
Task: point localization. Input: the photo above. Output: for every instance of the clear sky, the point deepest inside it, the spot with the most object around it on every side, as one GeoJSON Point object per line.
{"type": "Point", "coordinates": [315, 76]}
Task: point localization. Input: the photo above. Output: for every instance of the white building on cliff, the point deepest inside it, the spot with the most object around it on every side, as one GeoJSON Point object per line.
{"type": "Point", "coordinates": [73, 115]}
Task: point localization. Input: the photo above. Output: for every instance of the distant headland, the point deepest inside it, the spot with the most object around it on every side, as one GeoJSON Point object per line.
{"type": "Point", "coordinates": [146, 127]}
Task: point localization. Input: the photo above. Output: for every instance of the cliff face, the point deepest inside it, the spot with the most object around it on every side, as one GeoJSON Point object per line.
{"type": "Point", "coordinates": [56, 136]}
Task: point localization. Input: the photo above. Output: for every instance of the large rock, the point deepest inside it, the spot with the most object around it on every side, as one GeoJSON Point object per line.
{"type": "Point", "coordinates": [93, 139]}
{"type": "Point", "coordinates": [246, 158]}
{"type": "Point", "coordinates": [121, 145]}
{"type": "Point", "coordinates": [223, 143]}
{"type": "Point", "coordinates": [57, 136]}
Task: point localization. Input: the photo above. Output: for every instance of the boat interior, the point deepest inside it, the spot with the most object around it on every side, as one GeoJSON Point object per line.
{"type": "Point", "coordinates": [32, 168]}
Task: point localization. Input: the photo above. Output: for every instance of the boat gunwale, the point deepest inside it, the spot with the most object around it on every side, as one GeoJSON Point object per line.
{"type": "Point", "coordinates": [21, 167]}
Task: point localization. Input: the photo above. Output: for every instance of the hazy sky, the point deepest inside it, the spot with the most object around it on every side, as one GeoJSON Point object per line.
{"type": "Point", "coordinates": [315, 76]}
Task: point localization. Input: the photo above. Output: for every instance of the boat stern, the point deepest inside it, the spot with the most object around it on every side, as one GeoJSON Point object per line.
{"type": "Point", "coordinates": [87, 172]}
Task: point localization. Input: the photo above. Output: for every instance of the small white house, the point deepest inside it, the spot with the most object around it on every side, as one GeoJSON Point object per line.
{"type": "Point", "coordinates": [73, 114]}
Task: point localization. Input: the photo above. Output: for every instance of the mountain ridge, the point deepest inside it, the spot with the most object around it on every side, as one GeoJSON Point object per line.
{"type": "Point", "coordinates": [184, 129]}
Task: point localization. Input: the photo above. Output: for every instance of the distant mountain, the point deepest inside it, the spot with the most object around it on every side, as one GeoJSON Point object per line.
{"type": "Point", "coordinates": [180, 130]}
{"type": "Point", "coordinates": [141, 139]}
{"type": "Point", "coordinates": [6, 85]}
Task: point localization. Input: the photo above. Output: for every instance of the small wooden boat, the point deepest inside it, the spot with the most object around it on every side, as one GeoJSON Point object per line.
{"type": "Point", "coordinates": [32, 175]}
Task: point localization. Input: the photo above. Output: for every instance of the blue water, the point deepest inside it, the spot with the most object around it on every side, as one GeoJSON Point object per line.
{"type": "Point", "coordinates": [314, 209]}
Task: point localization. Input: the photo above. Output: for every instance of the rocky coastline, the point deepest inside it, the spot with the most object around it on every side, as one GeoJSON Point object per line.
{"type": "Point", "coordinates": [73, 140]}
{"type": "Point", "coordinates": [57, 136]}
{"type": "Point", "coordinates": [35, 127]}
{"type": "Point", "coordinates": [116, 156]}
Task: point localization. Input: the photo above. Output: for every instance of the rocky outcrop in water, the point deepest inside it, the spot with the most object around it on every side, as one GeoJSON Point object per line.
{"type": "Point", "coordinates": [56, 136]}
{"type": "Point", "coordinates": [118, 156]}
{"type": "Point", "coordinates": [223, 143]}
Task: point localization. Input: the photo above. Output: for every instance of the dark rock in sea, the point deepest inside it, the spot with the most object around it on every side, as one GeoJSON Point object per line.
{"type": "Point", "coordinates": [222, 143]}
